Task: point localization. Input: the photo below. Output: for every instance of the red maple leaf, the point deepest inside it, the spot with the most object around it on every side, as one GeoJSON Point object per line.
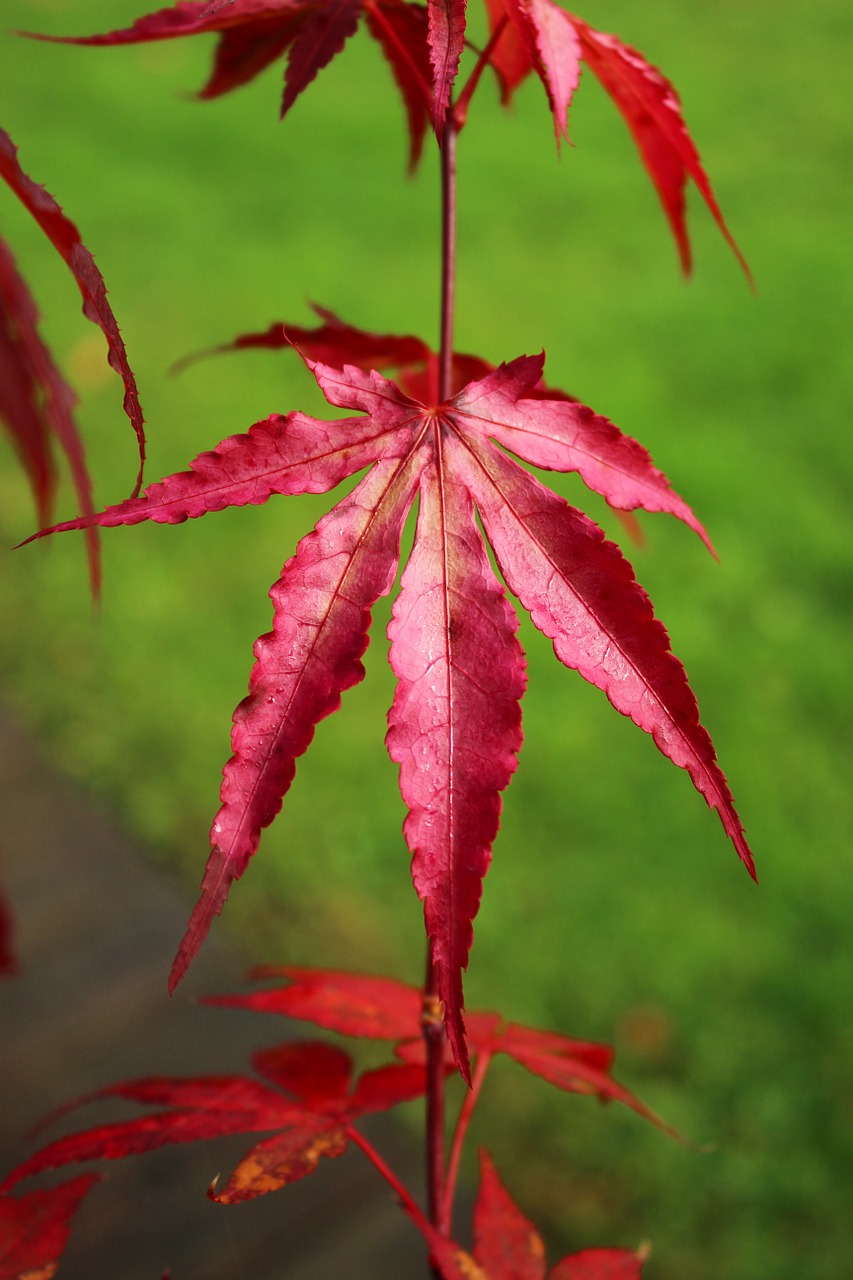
{"type": "Point", "coordinates": [507, 1246]}
{"type": "Point", "coordinates": [306, 1094]}
{"type": "Point", "coordinates": [455, 724]}
{"type": "Point", "coordinates": [36, 403]}
{"type": "Point", "coordinates": [355, 1004]}
{"type": "Point", "coordinates": [538, 35]}
{"type": "Point", "coordinates": [34, 1228]}
{"type": "Point", "coordinates": [255, 33]}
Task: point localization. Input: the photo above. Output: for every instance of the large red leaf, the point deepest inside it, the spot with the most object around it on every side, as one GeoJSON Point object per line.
{"type": "Point", "coordinates": [454, 726]}
{"type": "Point", "coordinates": [255, 33]}
{"type": "Point", "coordinates": [542, 37]}
{"type": "Point", "coordinates": [311, 1106]}
{"type": "Point", "coordinates": [34, 1228]}
{"type": "Point", "coordinates": [65, 238]}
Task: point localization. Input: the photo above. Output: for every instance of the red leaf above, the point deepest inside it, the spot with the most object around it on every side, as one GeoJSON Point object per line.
{"type": "Point", "coordinates": [542, 37]}
{"type": "Point", "coordinates": [34, 1228]}
{"type": "Point", "coordinates": [65, 238]}
{"type": "Point", "coordinates": [454, 728]}
{"type": "Point", "coordinates": [310, 1101]}
{"type": "Point", "coordinates": [255, 33]}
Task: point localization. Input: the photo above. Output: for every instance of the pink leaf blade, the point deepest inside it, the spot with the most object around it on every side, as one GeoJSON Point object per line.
{"type": "Point", "coordinates": [564, 435]}
{"type": "Point", "coordinates": [322, 608]}
{"type": "Point", "coordinates": [455, 724]}
{"type": "Point", "coordinates": [558, 55]}
{"type": "Point", "coordinates": [582, 594]}
{"type": "Point", "coordinates": [65, 238]}
{"type": "Point", "coordinates": [506, 1244]}
{"type": "Point", "coordinates": [280, 456]}
{"type": "Point", "coordinates": [34, 1228]}
{"type": "Point", "coordinates": [446, 39]}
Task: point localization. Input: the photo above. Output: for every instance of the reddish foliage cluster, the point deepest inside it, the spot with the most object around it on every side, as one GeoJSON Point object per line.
{"type": "Point", "coordinates": [36, 403]}
{"type": "Point", "coordinates": [307, 1097]}
{"type": "Point", "coordinates": [440, 434]}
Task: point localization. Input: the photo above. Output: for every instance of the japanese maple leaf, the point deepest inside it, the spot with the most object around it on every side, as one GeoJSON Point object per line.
{"type": "Point", "coordinates": [36, 403]}
{"type": "Point", "coordinates": [538, 35]}
{"type": "Point", "coordinates": [34, 1228]}
{"type": "Point", "coordinates": [419, 45]}
{"type": "Point", "coordinates": [306, 1094]}
{"type": "Point", "coordinates": [455, 723]}
{"type": "Point", "coordinates": [369, 1007]}
{"type": "Point", "coordinates": [507, 1246]}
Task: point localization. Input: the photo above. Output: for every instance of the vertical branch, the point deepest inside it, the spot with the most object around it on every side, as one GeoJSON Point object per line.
{"type": "Point", "coordinates": [448, 254]}
{"type": "Point", "coordinates": [432, 1025]}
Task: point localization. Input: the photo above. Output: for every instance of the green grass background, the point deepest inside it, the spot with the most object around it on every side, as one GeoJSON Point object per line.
{"type": "Point", "coordinates": [615, 907]}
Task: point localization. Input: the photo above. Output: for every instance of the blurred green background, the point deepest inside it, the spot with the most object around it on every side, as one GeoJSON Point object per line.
{"type": "Point", "coordinates": [615, 908]}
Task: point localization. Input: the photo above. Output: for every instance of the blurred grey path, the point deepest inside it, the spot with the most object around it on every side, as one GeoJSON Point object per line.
{"type": "Point", "coordinates": [96, 928]}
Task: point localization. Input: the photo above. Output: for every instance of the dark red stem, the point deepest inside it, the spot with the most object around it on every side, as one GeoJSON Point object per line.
{"type": "Point", "coordinates": [432, 1026]}
{"type": "Point", "coordinates": [448, 255]}
{"type": "Point", "coordinates": [388, 1174]}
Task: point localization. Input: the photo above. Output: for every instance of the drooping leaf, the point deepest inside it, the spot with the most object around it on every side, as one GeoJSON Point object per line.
{"type": "Point", "coordinates": [322, 612]}
{"type": "Point", "coordinates": [34, 1228]}
{"type": "Point", "coordinates": [65, 238]}
{"type": "Point", "coordinates": [446, 42]}
{"type": "Point", "coordinates": [540, 36]}
{"type": "Point", "coordinates": [459, 664]}
{"type": "Point", "coordinates": [255, 33]}
{"type": "Point", "coordinates": [305, 1094]}
{"type": "Point", "coordinates": [454, 725]}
